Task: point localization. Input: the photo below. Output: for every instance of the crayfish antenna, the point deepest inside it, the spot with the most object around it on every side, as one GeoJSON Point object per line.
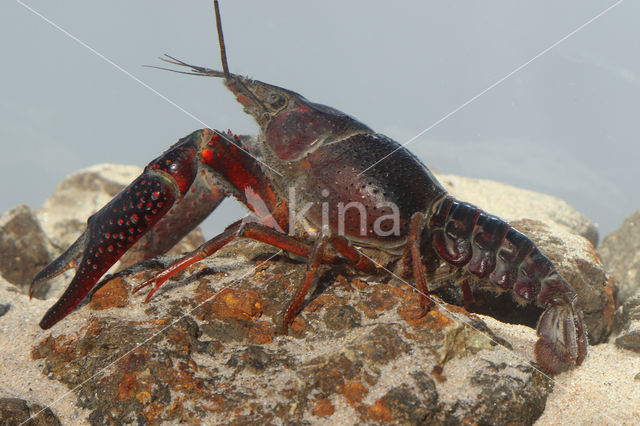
{"type": "Point", "coordinates": [196, 70]}
{"type": "Point", "coordinates": [223, 50]}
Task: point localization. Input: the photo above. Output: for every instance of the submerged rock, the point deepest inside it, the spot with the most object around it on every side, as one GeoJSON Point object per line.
{"type": "Point", "coordinates": [207, 348]}
{"type": "Point", "coordinates": [629, 336]}
{"type": "Point", "coordinates": [620, 253]}
{"type": "Point", "coordinates": [24, 248]}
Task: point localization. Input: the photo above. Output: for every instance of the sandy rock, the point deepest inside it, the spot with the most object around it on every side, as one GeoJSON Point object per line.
{"type": "Point", "coordinates": [358, 352]}
{"type": "Point", "coordinates": [207, 348]}
{"type": "Point", "coordinates": [24, 247]}
{"type": "Point", "coordinates": [511, 203]}
{"type": "Point", "coordinates": [620, 253]}
{"type": "Point", "coordinates": [24, 391]}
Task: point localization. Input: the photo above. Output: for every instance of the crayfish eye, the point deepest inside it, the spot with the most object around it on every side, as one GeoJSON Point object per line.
{"type": "Point", "coordinates": [275, 100]}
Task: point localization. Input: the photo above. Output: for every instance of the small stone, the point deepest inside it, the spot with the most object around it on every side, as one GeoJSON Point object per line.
{"type": "Point", "coordinates": [15, 411]}
{"type": "Point", "coordinates": [342, 317]}
{"type": "Point", "coordinates": [405, 407]}
{"type": "Point", "coordinates": [629, 340]}
{"type": "Point", "coordinates": [24, 248]}
{"type": "Point", "coordinates": [4, 309]}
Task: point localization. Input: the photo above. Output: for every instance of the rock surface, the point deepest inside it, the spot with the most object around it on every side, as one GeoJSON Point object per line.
{"type": "Point", "coordinates": [511, 203]}
{"type": "Point", "coordinates": [21, 379]}
{"type": "Point", "coordinates": [358, 352]}
{"type": "Point", "coordinates": [629, 336]}
{"type": "Point", "coordinates": [24, 248]}
{"type": "Point", "coordinates": [620, 253]}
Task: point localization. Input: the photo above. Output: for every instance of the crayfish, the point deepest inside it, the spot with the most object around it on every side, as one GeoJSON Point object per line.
{"type": "Point", "coordinates": [365, 198]}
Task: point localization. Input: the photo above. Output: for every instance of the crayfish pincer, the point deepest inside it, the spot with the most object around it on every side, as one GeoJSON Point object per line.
{"type": "Point", "coordinates": [360, 193]}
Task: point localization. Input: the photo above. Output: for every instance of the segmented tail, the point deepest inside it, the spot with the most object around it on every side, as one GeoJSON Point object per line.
{"type": "Point", "coordinates": [465, 236]}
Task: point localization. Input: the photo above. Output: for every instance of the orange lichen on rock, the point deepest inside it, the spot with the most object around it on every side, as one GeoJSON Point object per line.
{"type": "Point", "coordinates": [384, 297]}
{"type": "Point", "coordinates": [354, 392]}
{"type": "Point", "coordinates": [143, 397]}
{"type": "Point", "coordinates": [213, 402]}
{"type": "Point", "coordinates": [152, 411]}
{"type": "Point", "coordinates": [232, 303]}
{"type": "Point", "coordinates": [261, 333]}
{"type": "Point", "coordinates": [298, 326]}
{"type": "Point", "coordinates": [127, 387]}
{"type": "Point", "coordinates": [359, 284]}
{"type": "Point", "coordinates": [324, 301]}
{"type": "Point", "coordinates": [114, 294]}
{"type": "Point", "coordinates": [379, 411]}
{"type": "Point", "coordinates": [323, 407]}
{"type": "Point", "coordinates": [63, 347]}
{"type": "Point", "coordinates": [417, 316]}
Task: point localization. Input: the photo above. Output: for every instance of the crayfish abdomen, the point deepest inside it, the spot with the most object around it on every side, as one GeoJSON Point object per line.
{"type": "Point", "coordinates": [489, 248]}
